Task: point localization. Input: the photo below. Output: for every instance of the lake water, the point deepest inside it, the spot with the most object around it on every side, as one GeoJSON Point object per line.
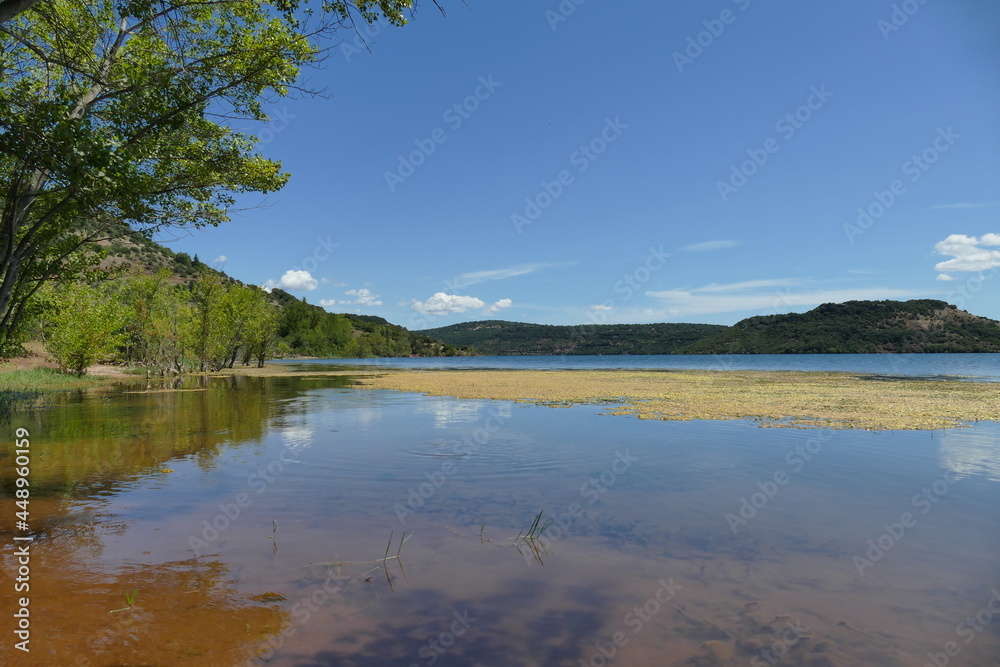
{"type": "Point", "coordinates": [251, 517]}
{"type": "Point", "coordinates": [983, 367]}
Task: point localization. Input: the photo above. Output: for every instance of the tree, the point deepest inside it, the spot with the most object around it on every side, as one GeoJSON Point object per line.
{"type": "Point", "coordinates": [369, 9]}
{"type": "Point", "coordinates": [123, 112]}
{"type": "Point", "coordinates": [261, 334]}
{"type": "Point", "coordinates": [246, 325]}
{"type": "Point", "coordinates": [227, 323]}
{"type": "Point", "coordinates": [203, 337]}
{"type": "Point", "coordinates": [157, 314]}
{"type": "Point", "coordinates": [83, 328]}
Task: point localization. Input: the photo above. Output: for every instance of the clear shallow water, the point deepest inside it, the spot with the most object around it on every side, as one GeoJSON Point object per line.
{"type": "Point", "coordinates": [984, 367]}
{"type": "Point", "coordinates": [654, 545]}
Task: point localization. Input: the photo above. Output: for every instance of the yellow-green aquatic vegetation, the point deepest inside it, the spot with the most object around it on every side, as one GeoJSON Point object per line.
{"type": "Point", "coordinates": [786, 399]}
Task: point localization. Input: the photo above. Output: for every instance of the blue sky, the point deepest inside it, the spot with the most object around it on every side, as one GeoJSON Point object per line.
{"type": "Point", "coordinates": [567, 163]}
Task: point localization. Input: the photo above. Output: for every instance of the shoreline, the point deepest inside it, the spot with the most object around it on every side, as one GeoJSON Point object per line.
{"type": "Point", "coordinates": [779, 399]}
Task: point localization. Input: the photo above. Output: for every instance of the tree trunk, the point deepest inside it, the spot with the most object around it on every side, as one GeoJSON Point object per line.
{"type": "Point", "coordinates": [11, 8]}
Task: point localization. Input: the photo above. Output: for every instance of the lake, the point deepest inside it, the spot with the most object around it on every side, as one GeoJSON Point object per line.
{"type": "Point", "coordinates": [251, 517]}
{"type": "Point", "coordinates": [982, 367]}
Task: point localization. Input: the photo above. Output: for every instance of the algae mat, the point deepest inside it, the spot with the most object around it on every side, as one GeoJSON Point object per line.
{"type": "Point", "coordinates": [774, 398]}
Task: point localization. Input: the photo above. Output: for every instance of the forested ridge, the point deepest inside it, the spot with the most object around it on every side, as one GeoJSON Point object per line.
{"type": "Point", "coordinates": [858, 327]}
{"type": "Point", "coordinates": [517, 338]}
{"type": "Point", "coordinates": [920, 325]}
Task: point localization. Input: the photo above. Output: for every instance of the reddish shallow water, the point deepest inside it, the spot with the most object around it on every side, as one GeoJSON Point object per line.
{"type": "Point", "coordinates": [251, 518]}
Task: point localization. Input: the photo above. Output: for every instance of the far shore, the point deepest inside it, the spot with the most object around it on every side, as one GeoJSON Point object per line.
{"type": "Point", "coordinates": [797, 399]}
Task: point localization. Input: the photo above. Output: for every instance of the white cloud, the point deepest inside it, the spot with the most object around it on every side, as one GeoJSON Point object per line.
{"type": "Point", "coordinates": [944, 276]}
{"type": "Point", "coordinates": [445, 304]}
{"type": "Point", "coordinates": [737, 297]}
{"type": "Point", "coordinates": [362, 297]}
{"type": "Point", "coordinates": [476, 277]}
{"type": "Point", "coordinates": [711, 245]}
{"type": "Point", "coordinates": [221, 259]}
{"type": "Point", "coordinates": [499, 305]}
{"type": "Point", "coordinates": [750, 284]}
{"type": "Point", "coordinates": [498, 274]}
{"type": "Point", "coordinates": [293, 281]}
{"type": "Point", "coordinates": [601, 307]}
{"type": "Point", "coordinates": [967, 253]}
{"type": "Point", "coordinates": [327, 303]}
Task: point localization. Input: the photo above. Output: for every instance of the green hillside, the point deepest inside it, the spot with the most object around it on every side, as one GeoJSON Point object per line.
{"type": "Point", "coordinates": [135, 252]}
{"type": "Point", "coordinates": [309, 330]}
{"type": "Point", "coordinates": [496, 337]}
{"type": "Point", "coordinates": [304, 329]}
{"type": "Point", "coordinates": [921, 325]}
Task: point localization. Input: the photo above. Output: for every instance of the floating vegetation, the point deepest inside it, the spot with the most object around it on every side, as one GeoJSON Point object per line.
{"type": "Point", "coordinates": [779, 399]}
{"type": "Point", "coordinates": [129, 599]}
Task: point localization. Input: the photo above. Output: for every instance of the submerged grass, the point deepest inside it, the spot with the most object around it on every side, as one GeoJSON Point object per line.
{"type": "Point", "coordinates": [531, 539]}
{"type": "Point", "coordinates": [41, 378]}
{"type": "Point", "coordinates": [381, 562]}
{"type": "Point", "coordinates": [25, 388]}
{"type": "Point", "coordinates": [773, 398]}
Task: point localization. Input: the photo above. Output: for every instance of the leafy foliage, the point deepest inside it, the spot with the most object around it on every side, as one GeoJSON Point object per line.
{"type": "Point", "coordinates": [84, 328]}
{"type": "Point", "coordinates": [160, 325]}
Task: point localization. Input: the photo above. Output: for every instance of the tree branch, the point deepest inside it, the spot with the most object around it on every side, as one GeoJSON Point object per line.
{"type": "Point", "coordinates": [11, 8]}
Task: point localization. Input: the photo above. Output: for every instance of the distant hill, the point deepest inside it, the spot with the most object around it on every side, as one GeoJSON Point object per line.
{"type": "Point", "coordinates": [921, 325]}
{"type": "Point", "coordinates": [496, 337]}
